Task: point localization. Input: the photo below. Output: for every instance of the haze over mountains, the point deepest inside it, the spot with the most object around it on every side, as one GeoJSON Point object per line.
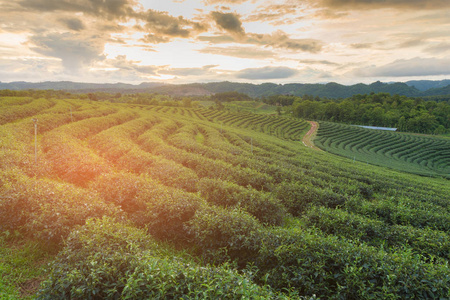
{"type": "Point", "coordinates": [416, 88]}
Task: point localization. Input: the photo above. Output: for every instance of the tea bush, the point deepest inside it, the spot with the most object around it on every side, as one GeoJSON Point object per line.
{"type": "Point", "coordinates": [427, 242]}
{"type": "Point", "coordinates": [231, 230]}
{"type": "Point", "coordinates": [394, 214]}
{"type": "Point", "coordinates": [297, 197]}
{"type": "Point", "coordinates": [17, 112]}
{"type": "Point", "coordinates": [106, 259]}
{"type": "Point", "coordinates": [47, 209]}
{"type": "Point", "coordinates": [163, 210]}
{"type": "Point", "coordinates": [259, 204]}
{"type": "Point", "coordinates": [338, 269]}
{"type": "Point", "coordinates": [121, 189]}
{"type": "Point", "coordinates": [167, 210]}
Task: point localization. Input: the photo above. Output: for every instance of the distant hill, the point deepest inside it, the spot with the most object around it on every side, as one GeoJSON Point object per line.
{"type": "Point", "coordinates": [329, 90]}
{"type": "Point", "coordinates": [424, 85]}
{"type": "Point", "coordinates": [438, 91]}
{"type": "Point", "coordinates": [181, 90]}
{"type": "Point", "coordinates": [75, 86]}
{"type": "Point", "coordinates": [418, 88]}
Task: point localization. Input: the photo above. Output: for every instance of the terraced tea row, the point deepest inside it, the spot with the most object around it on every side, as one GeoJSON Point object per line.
{"type": "Point", "coordinates": [221, 187]}
{"type": "Point", "coordinates": [406, 152]}
{"type": "Point", "coordinates": [282, 127]}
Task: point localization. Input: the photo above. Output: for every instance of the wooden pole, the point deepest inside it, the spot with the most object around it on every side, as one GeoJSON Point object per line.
{"type": "Point", "coordinates": [35, 140]}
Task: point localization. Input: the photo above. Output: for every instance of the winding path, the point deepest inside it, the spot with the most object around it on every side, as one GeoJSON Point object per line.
{"type": "Point", "coordinates": [309, 136]}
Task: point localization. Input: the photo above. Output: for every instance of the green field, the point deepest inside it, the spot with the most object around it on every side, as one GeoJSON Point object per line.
{"type": "Point", "coordinates": [251, 107]}
{"type": "Point", "coordinates": [155, 202]}
{"type": "Point", "coordinates": [418, 154]}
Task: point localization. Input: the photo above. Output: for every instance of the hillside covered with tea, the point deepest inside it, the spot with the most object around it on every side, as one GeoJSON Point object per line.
{"type": "Point", "coordinates": [128, 201]}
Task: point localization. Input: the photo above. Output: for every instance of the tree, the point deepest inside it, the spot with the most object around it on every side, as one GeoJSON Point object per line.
{"type": "Point", "coordinates": [219, 105]}
{"type": "Point", "coordinates": [402, 124]}
{"type": "Point", "coordinates": [187, 102]}
{"type": "Point", "coordinates": [423, 122]}
{"type": "Point", "coordinates": [92, 97]}
{"type": "Point", "coordinates": [440, 130]}
{"type": "Point", "coordinates": [279, 110]}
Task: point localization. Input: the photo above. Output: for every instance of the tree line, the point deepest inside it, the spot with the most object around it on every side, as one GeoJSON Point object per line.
{"type": "Point", "coordinates": [382, 109]}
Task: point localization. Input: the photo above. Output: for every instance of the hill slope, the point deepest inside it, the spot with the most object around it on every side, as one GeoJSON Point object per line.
{"type": "Point", "coordinates": [175, 202]}
{"type": "Point", "coordinates": [416, 154]}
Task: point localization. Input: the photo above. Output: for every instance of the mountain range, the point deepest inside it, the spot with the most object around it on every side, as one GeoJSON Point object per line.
{"type": "Point", "coordinates": [416, 88]}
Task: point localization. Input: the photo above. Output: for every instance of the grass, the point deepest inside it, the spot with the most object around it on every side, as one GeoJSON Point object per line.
{"type": "Point", "coordinates": [22, 266]}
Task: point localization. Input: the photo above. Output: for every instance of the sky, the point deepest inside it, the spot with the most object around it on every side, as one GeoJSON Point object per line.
{"type": "Point", "coordinates": [256, 41]}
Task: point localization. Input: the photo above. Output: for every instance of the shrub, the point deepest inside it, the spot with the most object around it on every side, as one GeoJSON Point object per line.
{"type": "Point", "coordinates": [231, 230]}
{"type": "Point", "coordinates": [261, 205]}
{"type": "Point", "coordinates": [110, 260]}
{"type": "Point", "coordinates": [425, 241]}
{"type": "Point", "coordinates": [339, 269]}
{"type": "Point", "coordinates": [72, 161]}
{"type": "Point", "coordinates": [12, 113]}
{"type": "Point", "coordinates": [163, 210]}
{"type": "Point", "coordinates": [167, 210]}
{"type": "Point", "coordinates": [402, 214]}
{"type": "Point", "coordinates": [47, 209]}
{"type": "Point", "coordinates": [121, 189]}
{"type": "Point", "coordinates": [297, 197]}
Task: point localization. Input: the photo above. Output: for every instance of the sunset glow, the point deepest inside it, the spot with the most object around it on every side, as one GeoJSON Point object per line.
{"type": "Point", "coordinates": [182, 41]}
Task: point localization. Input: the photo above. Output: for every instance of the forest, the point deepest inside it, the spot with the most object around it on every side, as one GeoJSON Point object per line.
{"type": "Point", "coordinates": [382, 109]}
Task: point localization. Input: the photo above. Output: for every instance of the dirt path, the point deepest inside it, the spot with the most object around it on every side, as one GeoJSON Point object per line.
{"type": "Point", "coordinates": [310, 135]}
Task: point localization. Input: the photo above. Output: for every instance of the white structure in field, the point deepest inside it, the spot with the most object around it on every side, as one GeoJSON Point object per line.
{"type": "Point", "coordinates": [378, 128]}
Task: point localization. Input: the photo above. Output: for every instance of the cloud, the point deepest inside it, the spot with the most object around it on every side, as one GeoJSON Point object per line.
{"type": "Point", "coordinates": [276, 14]}
{"type": "Point", "coordinates": [27, 68]}
{"type": "Point", "coordinates": [212, 2]}
{"type": "Point", "coordinates": [73, 23]}
{"type": "Point", "coordinates": [438, 48]}
{"type": "Point", "coordinates": [356, 4]}
{"type": "Point", "coordinates": [280, 39]}
{"type": "Point", "coordinates": [328, 13]}
{"type": "Point", "coordinates": [408, 67]}
{"type": "Point", "coordinates": [266, 73]}
{"type": "Point", "coordinates": [218, 39]}
{"type": "Point", "coordinates": [108, 9]}
{"type": "Point", "coordinates": [362, 45]}
{"type": "Point", "coordinates": [240, 52]}
{"type": "Point", "coordinates": [155, 39]}
{"type": "Point", "coordinates": [133, 68]}
{"type": "Point", "coordinates": [205, 70]}
{"type": "Point", "coordinates": [229, 22]}
{"type": "Point", "coordinates": [412, 43]}
{"type": "Point", "coordinates": [75, 51]}
{"type": "Point", "coordinates": [161, 26]}
{"type": "Point", "coordinates": [317, 62]}
{"type": "Point", "coordinates": [376, 4]}
{"type": "Point", "coordinates": [122, 63]}
{"type": "Point", "coordinates": [277, 39]}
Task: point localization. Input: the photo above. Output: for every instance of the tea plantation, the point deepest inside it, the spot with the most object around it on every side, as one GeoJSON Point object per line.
{"type": "Point", "coordinates": [419, 154]}
{"type": "Point", "coordinates": [125, 201]}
